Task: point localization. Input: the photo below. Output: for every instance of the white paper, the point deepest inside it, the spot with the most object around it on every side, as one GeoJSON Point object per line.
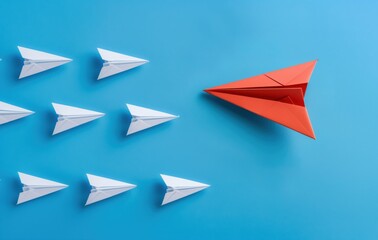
{"type": "Point", "coordinates": [178, 188]}
{"type": "Point", "coordinates": [103, 188]}
{"type": "Point", "coordinates": [35, 187]}
{"type": "Point", "coordinates": [38, 61]}
{"type": "Point", "coordinates": [70, 117]}
{"type": "Point", "coordinates": [10, 112]}
{"type": "Point", "coordinates": [143, 118]}
{"type": "Point", "coordinates": [116, 63]}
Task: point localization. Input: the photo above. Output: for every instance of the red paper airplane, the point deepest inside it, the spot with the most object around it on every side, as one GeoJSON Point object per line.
{"type": "Point", "coordinates": [277, 95]}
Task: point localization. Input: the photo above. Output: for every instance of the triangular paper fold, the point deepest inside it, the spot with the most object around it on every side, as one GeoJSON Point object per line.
{"type": "Point", "coordinates": [178, 188]}
{"type": "Point", "coordinates": [103, 188]}
{"type": "Point", "coordinates": [35, 187]}
{"type": "Point", "coordinates": [37, 61]}
{"type": "Point", "coordinates": [10, 112]}
{"type": "Point", "coordinates": [277, 95]}
{"type": "Point", "coordinates": [143, 118]}
{"type": "Point", "coordinates": [70, 117]}
{"type": "Point", "coordinates": [115, 63]}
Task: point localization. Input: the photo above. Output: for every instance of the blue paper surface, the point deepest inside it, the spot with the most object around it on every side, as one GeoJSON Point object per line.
{"type": "Point", "coordinates": [267, 182]}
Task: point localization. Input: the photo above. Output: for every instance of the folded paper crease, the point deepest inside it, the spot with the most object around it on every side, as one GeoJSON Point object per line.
{"type": "Point", "coordinates": [277, 95]}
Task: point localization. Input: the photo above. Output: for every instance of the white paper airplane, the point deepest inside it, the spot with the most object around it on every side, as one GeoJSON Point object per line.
{"type": "Point", "coordinates": [143, 118]}
{"type": "Point", "coordinates": [179, 188]}
{"type": "Point", "coordinates": [37, 61]}
{"type": "Point", "coordinates": [70, 117]}
{"type": "Point", "coordinates": [35, 187]}
{"type": "Point", "coordinates": [103, 188]}
{"type": "Point", "coordinates": [10, 112]}
{"type": "Point", "coordinates": [116, 63]}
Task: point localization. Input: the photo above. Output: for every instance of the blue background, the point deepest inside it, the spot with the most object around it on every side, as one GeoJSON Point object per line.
{"type": "Point", "coordinates": [268, 182]}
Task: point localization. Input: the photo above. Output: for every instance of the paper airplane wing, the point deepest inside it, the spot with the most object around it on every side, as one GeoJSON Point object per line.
{"type": "Point", "coordinates": [99, 195]}
{"type": "Point", "coordinates": [110, 56]}
{"type": "Point", "coordinates": [35, 187]}
{"type": "Point", "coordinates": [178, 188]}
{"type": "Point", "coordinates": [10, 112]}
{"type": "Point", "coordinates": [143, 118]}
{"type": "Point", "coordinates": [34, 55]}
{"type": "Point", "coordinates": [103, 188]}
{"type": "Point", "coordinates": [65, 110]}
{"type": "Point", "coordinates": [30, 180]}
{"type": "Point", "coordinates": [70, 117]}
{"type": "Point", "coordinates": [102, 182]}
{"type": "Point", "coordinates": [292, 116]}
{"type": "Point", "coordinates": [137, 111]}
{"type": "Point", "coordinates": [298, 75]}
{"type": "Point", "coordinates": [117, 63]}
{"type": "Point", "coordinates": [38, 61]}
